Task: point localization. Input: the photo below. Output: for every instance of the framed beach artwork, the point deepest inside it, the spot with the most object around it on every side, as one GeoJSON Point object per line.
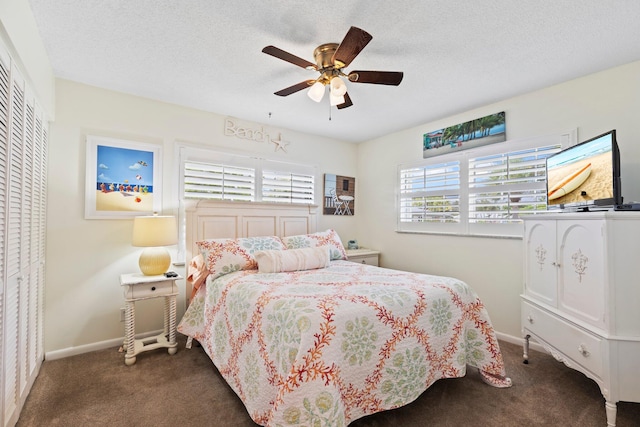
{"type": "Point", "coordinates": [339, 195]}
{"type": "Point", "coordinates": [122, 178]}
{"type": "Point", "coordinates": [474, 133]}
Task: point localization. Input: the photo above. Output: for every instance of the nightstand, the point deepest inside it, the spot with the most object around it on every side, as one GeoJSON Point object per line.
{"type": "Point", "coordinates": [139, 287]}
{"type": "Point", "coordinates": [363, 256]}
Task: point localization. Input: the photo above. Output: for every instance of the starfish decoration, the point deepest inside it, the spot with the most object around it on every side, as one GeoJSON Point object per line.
{"type": "Point", "coordinates": [280, 143]}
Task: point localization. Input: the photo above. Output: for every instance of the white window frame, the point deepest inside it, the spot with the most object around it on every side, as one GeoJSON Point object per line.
{"type": "Point", "coordinates": [465, 226]}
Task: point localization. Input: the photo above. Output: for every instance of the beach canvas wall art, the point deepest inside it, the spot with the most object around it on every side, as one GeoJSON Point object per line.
{"type": "Point", "coordinates": [122, 178]}
{"type": "Point", "coordinates": [474, 133]}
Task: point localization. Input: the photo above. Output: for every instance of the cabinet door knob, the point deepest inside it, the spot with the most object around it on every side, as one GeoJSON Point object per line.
{"type": "Point", "coordinates": [555, 264]}
{"type": "Point", "coordinates": [582, 349]}
{"type": "Point", "coordinates": [153, 288]}
{"type": "Point", "coordinates": [530, 319]}
{"type": "Point", "coordinates": [363, 261]}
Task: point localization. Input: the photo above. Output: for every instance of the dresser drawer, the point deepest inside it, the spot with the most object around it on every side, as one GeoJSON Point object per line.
{"type": "Point", "coordinates": [150, 290]}
{"type": "Point", "coordinates": [574, 342]}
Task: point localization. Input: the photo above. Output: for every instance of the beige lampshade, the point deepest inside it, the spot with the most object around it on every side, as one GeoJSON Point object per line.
{"type": "Point", "coordinates": [154, 232]}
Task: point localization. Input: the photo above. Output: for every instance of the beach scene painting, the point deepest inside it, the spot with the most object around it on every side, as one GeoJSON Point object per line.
{"type": "Point", "coordinates": [122, 178]}
{"type": "Point", "coordinates": [474, 133]}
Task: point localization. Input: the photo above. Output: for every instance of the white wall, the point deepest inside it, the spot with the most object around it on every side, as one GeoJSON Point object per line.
{"type": "Point", "coordinates": [593, 104]}
{"type": "Point", "coordinates": [86, 257]}
{"type": "Point", "coordinates": [20, 34]}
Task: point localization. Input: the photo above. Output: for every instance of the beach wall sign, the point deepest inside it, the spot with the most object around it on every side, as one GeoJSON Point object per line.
{"type": "Point", "coordinates": [474, 133]}
{"type": "Point", "coordinates": [253, 132]}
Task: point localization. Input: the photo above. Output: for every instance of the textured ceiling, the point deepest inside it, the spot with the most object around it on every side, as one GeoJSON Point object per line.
{"type": "Point", "coordinates": [456, 55]}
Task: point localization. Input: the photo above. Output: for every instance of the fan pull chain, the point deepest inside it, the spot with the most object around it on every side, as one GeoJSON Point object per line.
{"type": "Point", "coordinates": [329, 112]}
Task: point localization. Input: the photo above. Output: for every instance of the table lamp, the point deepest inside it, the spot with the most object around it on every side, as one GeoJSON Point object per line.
{"type": "Point", "coordinates": [154, 233]}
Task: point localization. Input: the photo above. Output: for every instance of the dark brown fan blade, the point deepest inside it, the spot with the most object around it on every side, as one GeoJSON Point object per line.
{"type": "Point", "coordinates": [347, 102]}
{"type": "Point", "coordinates": [295, 88]}
{"type": "Point", "coordinates": [355, 40]}
{"type": "Point", "coordinates": [377, 77]}
{"type": "Point", "coordinates": [286, 56]}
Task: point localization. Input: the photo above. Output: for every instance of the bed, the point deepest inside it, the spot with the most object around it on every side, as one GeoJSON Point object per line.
{"type": "Point", "coordinates": [305, 337]}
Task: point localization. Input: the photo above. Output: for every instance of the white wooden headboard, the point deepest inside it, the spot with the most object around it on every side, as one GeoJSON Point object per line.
{"type": "Point", "coordinates": [216, 220]}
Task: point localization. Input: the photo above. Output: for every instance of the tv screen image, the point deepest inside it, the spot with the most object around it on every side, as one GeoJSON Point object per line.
{"type": "Point", "coordinates": [585, 174]}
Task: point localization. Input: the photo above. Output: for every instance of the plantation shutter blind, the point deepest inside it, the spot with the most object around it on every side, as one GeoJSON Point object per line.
{"type": "Point", "coordinates": [283, 182]}
{"type": "Point", "coordinates": [218, 182]}
{"type": "Point", "coordinates": [504, 184]}
{"type": "Point", "coordinates": [430, 193]}
{"type": "Point", "coordinates": [208, 174]}
{"type": "Point", "coordinates": [480, 191]}
{"type": "Point", "coordinates": [430, 196]}
{"type": "Point", "coordinates": [286, 187]}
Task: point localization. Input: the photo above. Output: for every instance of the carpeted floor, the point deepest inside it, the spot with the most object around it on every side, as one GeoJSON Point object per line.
{"type": "Point", "coordinates": [97, 389]}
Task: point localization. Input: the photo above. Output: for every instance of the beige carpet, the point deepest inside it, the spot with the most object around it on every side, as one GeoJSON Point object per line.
{"type": "Point", "coordinates": [97, 389]}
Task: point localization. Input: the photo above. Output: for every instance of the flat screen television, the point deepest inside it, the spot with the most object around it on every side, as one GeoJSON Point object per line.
{"type": "Point", "coordinates": [587, 174]}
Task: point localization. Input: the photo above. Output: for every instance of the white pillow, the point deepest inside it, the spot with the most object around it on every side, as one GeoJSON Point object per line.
{"type": "Point", "coordinates": [292, 259]}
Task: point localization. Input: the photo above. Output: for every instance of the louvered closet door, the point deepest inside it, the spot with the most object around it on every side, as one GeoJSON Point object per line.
{"type": "Point", "coordinates": [15, 282]}
{"type": "Point", "coordinates": [23, 157]}
{"type": "Point", "coordinates": [37, 245]}
{"type": "Point", "coordinates": [4, 149]}
{"type": "Point", "coordinates": [28, 278]}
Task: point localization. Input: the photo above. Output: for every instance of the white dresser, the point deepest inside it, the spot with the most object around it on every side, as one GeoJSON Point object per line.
{"type": "Point", "coordinates": [581, 297]}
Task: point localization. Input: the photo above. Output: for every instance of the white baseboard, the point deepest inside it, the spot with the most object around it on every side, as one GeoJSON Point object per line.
{"type": "Point", "coordinates": [102, 345]}
{"type": "Point", "coordinates": [520, 341]}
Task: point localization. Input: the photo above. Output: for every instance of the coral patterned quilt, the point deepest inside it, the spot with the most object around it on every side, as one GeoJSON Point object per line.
{"type": "Point", "coordinates": [328, 346]}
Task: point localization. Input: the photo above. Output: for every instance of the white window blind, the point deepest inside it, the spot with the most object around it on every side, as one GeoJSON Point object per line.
{"type": "Point", "coordinates": [287, 187]}
{"type": "Point", "coordinates": [430, 193]}
{"type": "Point", "coordinates": [503, 185]}
{"type": "Point", "coordinates": [207, 174]}
{"type": "Point", "coordinates": [477, 191]}
{"type": "Point", "coordinates": [219, 182]}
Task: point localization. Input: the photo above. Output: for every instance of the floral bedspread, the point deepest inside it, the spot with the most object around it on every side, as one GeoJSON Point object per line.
{"type": "Point", "coordinates": [325, 347]}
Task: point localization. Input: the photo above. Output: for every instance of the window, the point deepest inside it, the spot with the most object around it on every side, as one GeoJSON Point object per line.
{"type": "Point", "coordinates": [481, 191]}
{"type": "Point", "coordinates": [232, 177]}
{"type": "Point", "coordinates": [430, 193]}
{"type": "Point", "coordinates": [219, 182]}
{"type": "Point", "coordinates": [287, 187]}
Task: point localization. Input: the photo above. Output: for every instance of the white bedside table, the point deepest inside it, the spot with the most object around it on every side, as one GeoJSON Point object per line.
{"type": "Point", "coordinates": [138, 287]}
{"type": "Point", "coordinates": [363, 256]}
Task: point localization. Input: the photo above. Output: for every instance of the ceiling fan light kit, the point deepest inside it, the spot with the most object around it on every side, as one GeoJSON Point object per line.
{"type": "Point", "coordinates": [331, 58]}
{"type": "Point", "coordinates": [338, 88]}
{"type": "Point", "coordinates": [316, 92]}
{"type": "Point", "coordinates": [335, 99]}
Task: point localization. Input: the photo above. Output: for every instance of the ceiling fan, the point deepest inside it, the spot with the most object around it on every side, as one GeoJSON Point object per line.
{"type": "Point", "coordinates": [331, 59]}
